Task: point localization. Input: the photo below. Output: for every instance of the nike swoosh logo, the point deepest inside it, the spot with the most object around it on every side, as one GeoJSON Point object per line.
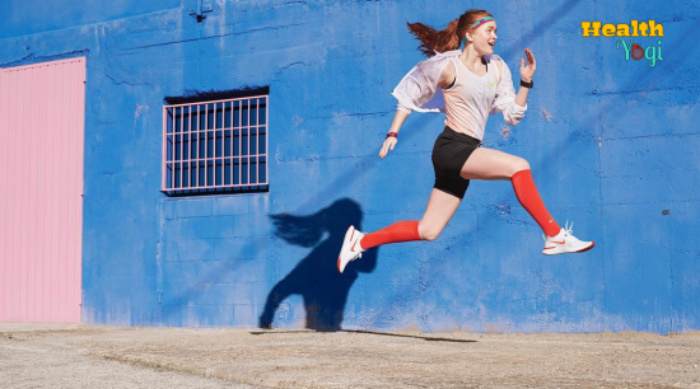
{"type": "Point", "coordinates": [558, 241]}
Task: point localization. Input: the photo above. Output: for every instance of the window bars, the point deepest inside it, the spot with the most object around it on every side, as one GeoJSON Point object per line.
{"type": "Point", "coordinates": [216, 146]}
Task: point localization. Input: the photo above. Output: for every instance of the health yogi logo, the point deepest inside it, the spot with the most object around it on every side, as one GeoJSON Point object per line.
{"type": "Point", "coordinates": [635, 28]}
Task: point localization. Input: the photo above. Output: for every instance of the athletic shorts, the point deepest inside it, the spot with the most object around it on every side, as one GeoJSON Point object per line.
{"type": "Point", "coordinates": [450, 152]}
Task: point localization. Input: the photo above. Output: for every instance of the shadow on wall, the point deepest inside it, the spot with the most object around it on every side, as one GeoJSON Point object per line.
{"type": "Point", "coordinates": [316, 277]}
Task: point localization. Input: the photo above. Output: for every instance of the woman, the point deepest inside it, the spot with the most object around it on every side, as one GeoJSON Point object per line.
{"type": "Point", "coordinates": [473, 82]}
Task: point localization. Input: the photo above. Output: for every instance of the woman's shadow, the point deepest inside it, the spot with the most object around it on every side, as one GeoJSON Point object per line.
{"type": "Point", "coordinates": [316, 277]}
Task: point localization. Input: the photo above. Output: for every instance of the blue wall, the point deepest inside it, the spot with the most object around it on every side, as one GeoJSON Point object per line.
{"type": "Point", "coordinates": [613, 144]}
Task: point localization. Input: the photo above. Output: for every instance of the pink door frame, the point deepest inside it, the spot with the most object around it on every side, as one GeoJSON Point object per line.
{"type": "Point", "coordinates": [42, 109]}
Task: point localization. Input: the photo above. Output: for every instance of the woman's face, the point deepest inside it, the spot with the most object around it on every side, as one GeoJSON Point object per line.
{"type": "Point", "coordinates": [484, 37]}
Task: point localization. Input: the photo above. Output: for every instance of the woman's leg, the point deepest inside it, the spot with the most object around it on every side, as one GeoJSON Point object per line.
{"type": "Point", "coordinates": [490, 164]}
{"type": "Point", "coordinates": [440, 209]}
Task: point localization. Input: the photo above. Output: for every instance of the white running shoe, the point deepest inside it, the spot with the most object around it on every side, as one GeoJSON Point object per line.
{"type": "Point", "coordinates": [565, 242]}
{"type": "Point", "coordinates": [351, 249]}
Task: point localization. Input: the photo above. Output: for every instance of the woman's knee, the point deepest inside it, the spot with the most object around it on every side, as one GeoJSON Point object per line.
{"type": "Point", "coordinates": [519, 164]}
{"type": "Point", "coordinates": [428, 232]}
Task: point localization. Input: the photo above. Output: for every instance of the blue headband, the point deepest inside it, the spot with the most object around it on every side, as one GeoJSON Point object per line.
{"type": "Point", "coordinates": [481, 21]}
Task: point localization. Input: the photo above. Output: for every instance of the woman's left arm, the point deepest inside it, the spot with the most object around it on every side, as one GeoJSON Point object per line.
{"type": "Point", "coordinates": [507, 101]}
{"type": "Point", "coordinates": [527, 71]}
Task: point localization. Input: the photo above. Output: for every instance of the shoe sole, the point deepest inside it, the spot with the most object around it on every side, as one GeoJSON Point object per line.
{"type": "Point", "coordinates": [587, 248]}
{"type": "Point", "coordinates": [342, 247]}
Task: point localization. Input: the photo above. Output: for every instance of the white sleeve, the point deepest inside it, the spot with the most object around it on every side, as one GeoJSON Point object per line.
{"type": "Point", "coordinates": [513, 113]}
{"type": "Point", "coordinates": [417, 89]}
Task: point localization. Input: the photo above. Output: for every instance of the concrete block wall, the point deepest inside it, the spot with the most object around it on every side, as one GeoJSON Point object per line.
{"type": "Point", "coordinates": [613, 145]}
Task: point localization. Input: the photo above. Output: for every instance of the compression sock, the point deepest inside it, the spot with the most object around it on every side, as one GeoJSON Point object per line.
{"type": "Point", "coordinates": [526, 192]}
{"type": "Point", "coordinates": [402, 231]}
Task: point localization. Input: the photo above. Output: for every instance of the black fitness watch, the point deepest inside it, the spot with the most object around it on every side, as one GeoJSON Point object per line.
{"type": "Point", "coordinates": [527, 84]}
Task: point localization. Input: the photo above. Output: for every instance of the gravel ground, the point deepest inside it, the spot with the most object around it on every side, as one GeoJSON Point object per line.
{"type": "Point", "coordinates": [36, 356]}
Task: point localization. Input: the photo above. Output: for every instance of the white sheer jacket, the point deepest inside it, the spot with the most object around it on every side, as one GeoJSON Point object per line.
{"type": "Point", "coordinates": [478, 96]}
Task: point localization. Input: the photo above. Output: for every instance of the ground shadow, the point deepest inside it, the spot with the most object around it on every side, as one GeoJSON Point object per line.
{"type": "Point", "coordinates": [426, 338]}
{"type": "Point", "coordinates": [316, 278]}
{"type": "Point", "coordinates": [380, 333]}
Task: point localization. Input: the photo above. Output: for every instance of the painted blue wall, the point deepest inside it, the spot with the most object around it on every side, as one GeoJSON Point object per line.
{"type": "Point", "coordinates": [613, 144]}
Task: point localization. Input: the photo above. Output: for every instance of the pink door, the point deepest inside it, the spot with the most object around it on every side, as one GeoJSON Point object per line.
{"type": "Point", "coordinates": [41, 184]}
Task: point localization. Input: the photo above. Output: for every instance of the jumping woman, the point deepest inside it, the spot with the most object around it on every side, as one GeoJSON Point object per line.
{"type": "Point", "coordinates": [474, 82]}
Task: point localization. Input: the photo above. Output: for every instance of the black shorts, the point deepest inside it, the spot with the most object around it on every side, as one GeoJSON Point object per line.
{"type": "Point", "coordinates": [451, 151]}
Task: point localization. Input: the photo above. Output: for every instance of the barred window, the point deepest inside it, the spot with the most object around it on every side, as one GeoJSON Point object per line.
{"type": "Point", "coordinates": [216, 146]}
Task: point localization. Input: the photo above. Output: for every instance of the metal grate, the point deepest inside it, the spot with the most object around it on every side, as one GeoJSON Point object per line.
{"type": "Point", "coordinates": [216, 146]}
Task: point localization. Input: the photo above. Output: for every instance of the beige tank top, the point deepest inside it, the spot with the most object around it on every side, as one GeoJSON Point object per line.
{"type": "Point", "coordinates": [469, 101]}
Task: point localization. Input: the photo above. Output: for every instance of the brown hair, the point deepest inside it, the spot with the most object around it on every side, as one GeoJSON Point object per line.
{"type": "Point", "coordinates": [448, 39]}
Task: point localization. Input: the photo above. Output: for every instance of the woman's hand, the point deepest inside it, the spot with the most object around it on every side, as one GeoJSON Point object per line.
{"type": "Point", "coordinates": [527, 70]}
{"type": "Point", "coordinates": [389, 144]}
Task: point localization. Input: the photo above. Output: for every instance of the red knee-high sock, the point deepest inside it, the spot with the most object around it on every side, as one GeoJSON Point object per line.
{"type": "Point", "coordinates": [527, 194]}
{"type": "Point", "coordinates": [402, 231]}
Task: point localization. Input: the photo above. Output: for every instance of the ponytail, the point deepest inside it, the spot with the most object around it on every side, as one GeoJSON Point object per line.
{"type": "Point", "coordinates": [432, 40]}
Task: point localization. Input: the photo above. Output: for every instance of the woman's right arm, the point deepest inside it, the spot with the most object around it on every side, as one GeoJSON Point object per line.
{"type": "Point", "coordinates": [390, 142]}
{"type": "Point", "coordinates": [446, 79]}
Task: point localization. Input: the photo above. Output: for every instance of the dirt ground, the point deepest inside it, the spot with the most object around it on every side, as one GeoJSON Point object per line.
{"type": "Point", "coordinates": [41, 356]}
